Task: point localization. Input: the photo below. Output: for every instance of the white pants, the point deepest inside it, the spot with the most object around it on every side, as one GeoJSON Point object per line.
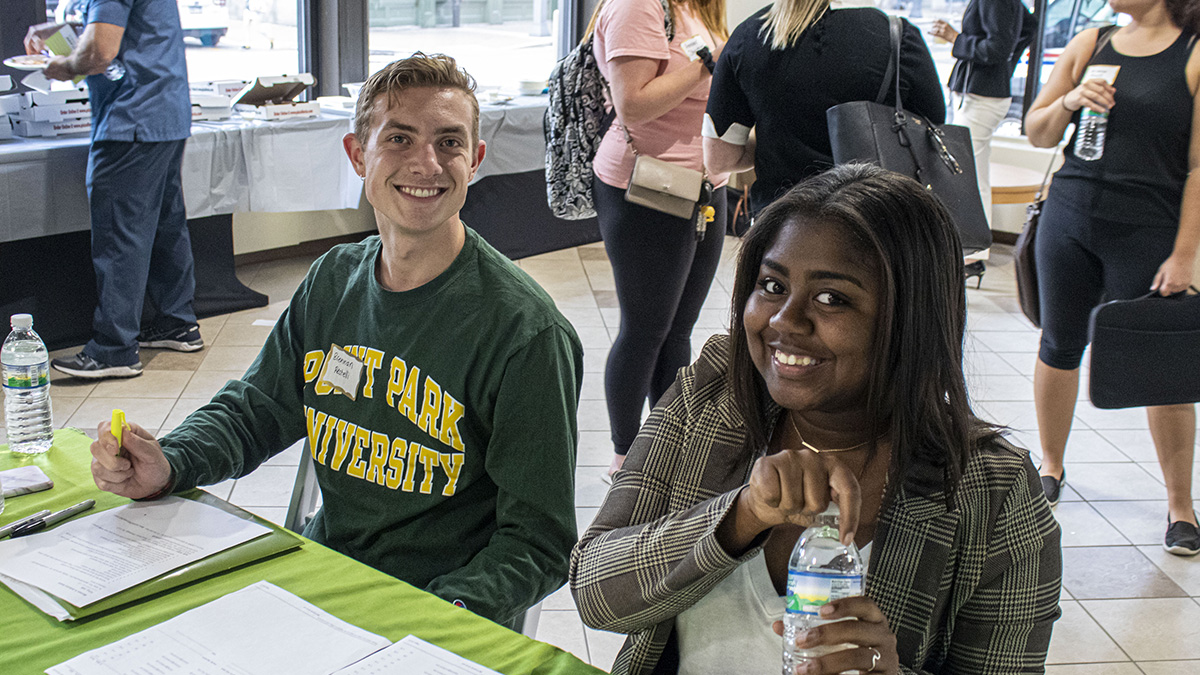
{"type": "Point", "coordinates": [981, 114]}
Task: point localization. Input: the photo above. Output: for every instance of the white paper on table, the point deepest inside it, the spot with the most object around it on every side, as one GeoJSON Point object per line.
{"type": "Point", "coordinates": [38, 598]}
{"type": "Point", "coordinates": [414, 656]}
{"type": "Point", "coordinates": [259, 629]}
{"type": "Point", "coordinates": [85, 560]}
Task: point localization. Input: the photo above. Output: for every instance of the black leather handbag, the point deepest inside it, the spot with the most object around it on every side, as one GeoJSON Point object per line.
{"type": "Point", "coordinates": [940, 157]}
{"type": "Point", "coordinates": [1024, 255]}
{"type": "Point", "coordinates": [1145, 351]}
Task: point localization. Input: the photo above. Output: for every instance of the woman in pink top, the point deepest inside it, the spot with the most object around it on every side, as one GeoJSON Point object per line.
{"type": "Point", "coordinates": [662, 268]}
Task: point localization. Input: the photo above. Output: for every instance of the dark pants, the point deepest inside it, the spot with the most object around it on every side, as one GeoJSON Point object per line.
{"type": "Point", "coordinates": [1083, 260]}
{"type": "Point", "coordinates": [140, 245]}
{"type": "Point", "coordinates": [662, 275]}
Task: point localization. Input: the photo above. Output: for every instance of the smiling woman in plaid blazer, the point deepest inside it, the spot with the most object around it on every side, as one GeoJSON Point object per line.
{"type": "Point", "coordinates": [841, 379]}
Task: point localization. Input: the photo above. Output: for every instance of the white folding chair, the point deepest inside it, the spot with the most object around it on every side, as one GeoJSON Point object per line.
{"type": "Point", "coordinates": [302, 506]}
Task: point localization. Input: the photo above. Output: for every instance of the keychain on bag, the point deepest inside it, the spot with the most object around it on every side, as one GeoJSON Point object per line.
{"type": "Point", "coordinates": [705, 213]}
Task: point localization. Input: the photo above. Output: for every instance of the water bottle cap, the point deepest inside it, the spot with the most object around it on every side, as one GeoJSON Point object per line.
{"type": "Point", "coordinates": [21, 321]}
{"type": "Point", "coordinates": [831, 510]}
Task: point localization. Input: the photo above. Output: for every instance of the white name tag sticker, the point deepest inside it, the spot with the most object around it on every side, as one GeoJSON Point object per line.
{"type": "Point", "coordinates": [342, 372]}
{"type": "Point", "coordinates": [1104, 72]}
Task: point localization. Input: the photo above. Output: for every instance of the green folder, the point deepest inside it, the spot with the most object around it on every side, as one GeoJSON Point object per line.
{"type": "Point", "coordinates": [276, 541]}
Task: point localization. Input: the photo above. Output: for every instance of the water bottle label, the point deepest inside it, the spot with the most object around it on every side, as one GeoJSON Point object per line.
{"type": "Point", "coordinates": [26, 377]}
{"type": "Point", "coordinates": [808, 591]}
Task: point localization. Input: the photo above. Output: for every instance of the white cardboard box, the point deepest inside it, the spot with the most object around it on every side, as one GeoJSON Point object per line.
{"type": "Point", "coordinates": [5, 82]}
{"type": "Point", "coordinates": [207, 114]}
{"type": "Point", "coordinates": [6, 130]}
{"type": "Point", "coordinates": [226, 88]}
{"type": "Point", "coordinates": [51, 129]}
{"type": "Point", "coordinates": [282, 111]}
{"type": "Point", "coordinates": [56, 113]}
{"type": "Point", "coordinates": [10, 104]}
{"type": "Point", "coordinates": [31, 99]}
{"type": "Point", "coordinates": [210, 107]}
{"type": "Point", "coordinates": [273, 98]}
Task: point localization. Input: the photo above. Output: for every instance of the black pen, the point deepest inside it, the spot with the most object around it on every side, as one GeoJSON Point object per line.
{"type": "Point", "coordinates": [52, 519]}
{"type": "Point", "coordinates": [8, 529]}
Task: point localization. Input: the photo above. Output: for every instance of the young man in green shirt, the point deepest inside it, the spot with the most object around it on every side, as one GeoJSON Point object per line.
{"type": "Point", "coordinates": [435, 381]}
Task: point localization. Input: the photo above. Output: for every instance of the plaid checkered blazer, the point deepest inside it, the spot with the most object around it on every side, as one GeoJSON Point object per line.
{"type": "Point", "coordinates": [969, 589]}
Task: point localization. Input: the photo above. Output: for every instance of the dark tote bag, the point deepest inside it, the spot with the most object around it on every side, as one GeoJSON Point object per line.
{"type": "Point", "coordinates": [940, 157]}
{"type": "Point", "coordinates": [1145, 351]}
{"type": "Point", "coordinates": [1025, 257]}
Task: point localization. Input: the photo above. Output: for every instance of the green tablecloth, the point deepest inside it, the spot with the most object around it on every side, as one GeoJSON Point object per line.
{"type": "Point", "coordinates": [31, 641]}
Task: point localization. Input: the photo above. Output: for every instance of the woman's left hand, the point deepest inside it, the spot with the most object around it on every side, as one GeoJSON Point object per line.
{"type": "Point", "coordinates": [1174, 275]}
{"type": "Point", "coordinates": [876, 650]}
{"type": "Point", "coordinates": [943, 30]}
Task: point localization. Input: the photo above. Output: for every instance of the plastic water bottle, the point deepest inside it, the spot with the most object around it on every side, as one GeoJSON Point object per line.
{"type": "Point", "coordinates": [821, 570]}
{"type": "Point", "coordinates": [115, 70]}
{"type": "Point", "coordinates": [1089, 140]}
{"type": "Point", "coordinates": [26, 366]}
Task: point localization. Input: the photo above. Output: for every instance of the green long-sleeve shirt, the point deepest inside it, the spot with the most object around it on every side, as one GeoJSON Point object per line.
{"type": "Point", "coordinates": [452, 467]}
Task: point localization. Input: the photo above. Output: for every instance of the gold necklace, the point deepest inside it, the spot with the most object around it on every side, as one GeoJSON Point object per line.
{"type": "Point", "coordinates": [815, 449]}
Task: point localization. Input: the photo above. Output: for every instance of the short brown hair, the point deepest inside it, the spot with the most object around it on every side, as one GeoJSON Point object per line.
{"type": "Point", "coordinates": [418, 70]}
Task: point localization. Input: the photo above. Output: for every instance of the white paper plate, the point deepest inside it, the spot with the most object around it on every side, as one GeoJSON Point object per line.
{"type": "Point", "coordinates": [27, 61]}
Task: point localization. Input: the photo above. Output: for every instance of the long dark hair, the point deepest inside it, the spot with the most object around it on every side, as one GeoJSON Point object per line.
{"type": "Point", "coordinates": [1184, 14]}
{"type": "Point", "coordinates": [916, 392]}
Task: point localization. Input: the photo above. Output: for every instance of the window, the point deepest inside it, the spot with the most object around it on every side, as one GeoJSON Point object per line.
{"type": "Point", "coordinates": [499, 42]}
{"type": "Point", "coordinates": [239, 39]}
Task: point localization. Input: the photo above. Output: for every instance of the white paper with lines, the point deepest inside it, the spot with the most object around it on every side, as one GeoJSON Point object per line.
{"type": "Point", "coordinates": [92, 557]}
{"type": "Point", "coordinates": [414, 656]}
{"type": "Point", "coordinates": [261, 629]}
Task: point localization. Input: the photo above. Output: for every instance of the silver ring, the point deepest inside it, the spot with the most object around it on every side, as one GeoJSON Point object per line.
{"type": "Point", "coordinates": [875, 656]}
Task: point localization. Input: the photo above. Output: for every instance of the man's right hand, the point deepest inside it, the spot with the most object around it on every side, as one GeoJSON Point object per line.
{"type": "Point", "coordinates": [140, 471]}
{"type": "Point", "coordinates": [35, 38]}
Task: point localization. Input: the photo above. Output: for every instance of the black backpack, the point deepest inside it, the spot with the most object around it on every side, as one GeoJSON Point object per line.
{"type": "Point", "coordinates": [574, 125]}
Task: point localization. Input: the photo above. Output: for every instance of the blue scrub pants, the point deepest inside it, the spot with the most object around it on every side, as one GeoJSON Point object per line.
{"type": "Point", "coordinates": [140, 244]}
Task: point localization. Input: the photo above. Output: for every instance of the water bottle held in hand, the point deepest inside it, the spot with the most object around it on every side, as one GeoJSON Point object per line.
{"type": "Point", "coordinates": [821, 570]}
{"type": "Point", "coordinates": [26, 373]}
{"type": "Point", "coordinates": [1089, 140]}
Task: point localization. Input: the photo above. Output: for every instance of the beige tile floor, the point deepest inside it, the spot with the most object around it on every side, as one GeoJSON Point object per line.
{"type": "Point", "coordinates": [1128, 607]}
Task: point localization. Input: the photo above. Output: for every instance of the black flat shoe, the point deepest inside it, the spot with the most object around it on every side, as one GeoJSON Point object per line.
{"type": "Point", "coordinates": [1052, 487]}
{"type": "Point", "coordinates": [1183, 538]}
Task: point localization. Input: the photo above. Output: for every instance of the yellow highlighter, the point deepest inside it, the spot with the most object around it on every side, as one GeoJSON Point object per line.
{"type": "Point", "coordinates": [118, 428]}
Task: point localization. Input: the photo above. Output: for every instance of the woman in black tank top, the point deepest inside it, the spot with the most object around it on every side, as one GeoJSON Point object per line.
{"type": "Point", "coordinates": [1116, 226]}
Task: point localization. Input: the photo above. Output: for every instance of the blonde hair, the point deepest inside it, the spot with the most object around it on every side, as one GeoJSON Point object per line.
{"type": "Point", "coordinates": [418, 70]}
{"type": "Point", "coordinates": [787, 20]}
{"type": "Point", "coordinates": [711, 13]}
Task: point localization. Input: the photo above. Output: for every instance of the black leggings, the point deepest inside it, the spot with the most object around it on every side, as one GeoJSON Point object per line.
{"type": "Point", "coordinates": [662, 275]}
{"type": "Point", "coordinates": [1083, 260]}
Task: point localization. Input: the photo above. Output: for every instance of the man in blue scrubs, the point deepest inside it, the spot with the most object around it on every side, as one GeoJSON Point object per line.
{"type": "Point", "coordinates": [132, 52]}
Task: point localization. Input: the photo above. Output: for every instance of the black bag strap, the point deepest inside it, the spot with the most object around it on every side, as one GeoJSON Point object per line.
{"type": "Point", "coordinates": [1103, 36]}
{"type": "Point", "coordinates": [895, 27]}
{"type": "Point", "coordinates": [895, 32]}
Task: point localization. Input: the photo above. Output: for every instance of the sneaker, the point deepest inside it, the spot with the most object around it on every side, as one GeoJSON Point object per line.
{"type": "Point", "coordinates": [184, 339]}
{"type": "Point", "coordinates": [1183, 538]}
{"type": "Point", "coordinates": [1053, 487]}
{"type": "Point", "coordinates": [82, 365]}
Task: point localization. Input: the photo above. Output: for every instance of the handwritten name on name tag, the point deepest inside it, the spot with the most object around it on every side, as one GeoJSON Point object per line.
{"type": "Point", "coordinates": [342, 372]}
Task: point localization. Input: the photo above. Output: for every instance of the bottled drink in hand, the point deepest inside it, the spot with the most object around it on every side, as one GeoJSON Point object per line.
{"type": "Point", "coordinates": [1089, 140]}
{"type": "Point", "coordinates": [821, 570]}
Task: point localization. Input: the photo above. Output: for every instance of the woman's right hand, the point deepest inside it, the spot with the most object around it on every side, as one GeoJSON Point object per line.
{"type": "Point", "coordinates": [1096, 94]}
{"type": "Point", "coordinates": [793, 486]}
